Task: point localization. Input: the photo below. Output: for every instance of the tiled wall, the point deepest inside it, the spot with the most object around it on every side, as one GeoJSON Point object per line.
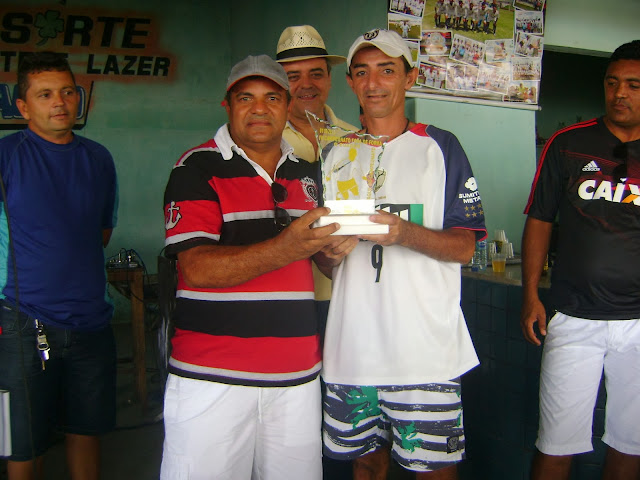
{"type": "Point", "coordinates": [500, 396]}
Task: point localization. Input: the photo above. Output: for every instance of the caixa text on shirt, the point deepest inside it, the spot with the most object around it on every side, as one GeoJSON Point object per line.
{"type": "Point", "coordinates": [620, 192]}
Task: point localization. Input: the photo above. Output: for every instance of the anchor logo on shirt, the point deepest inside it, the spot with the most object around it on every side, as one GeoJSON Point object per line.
{"type": "Point", "coordinates": [173, 216]}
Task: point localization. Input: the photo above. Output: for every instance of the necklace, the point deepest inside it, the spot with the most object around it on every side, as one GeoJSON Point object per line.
{"type": "Point", "coordinates": [406, 126]}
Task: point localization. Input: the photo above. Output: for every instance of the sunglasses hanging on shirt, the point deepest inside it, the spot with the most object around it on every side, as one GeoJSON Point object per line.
{"type": "Point", "coordinates": [281, 217]}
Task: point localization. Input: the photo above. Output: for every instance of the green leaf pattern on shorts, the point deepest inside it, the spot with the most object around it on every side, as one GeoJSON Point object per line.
{"type": "Point", "coordinates": [366, 402]}
{"type": "Point", "coordinates": [407, 435]}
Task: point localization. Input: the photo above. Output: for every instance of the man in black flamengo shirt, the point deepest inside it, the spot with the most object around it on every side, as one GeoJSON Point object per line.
{"type": "Point", "coordinates": [589, 173]}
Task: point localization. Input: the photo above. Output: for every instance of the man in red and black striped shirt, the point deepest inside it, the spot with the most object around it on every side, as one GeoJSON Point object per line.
{"type": "Point", "coordinates": [243, 398]}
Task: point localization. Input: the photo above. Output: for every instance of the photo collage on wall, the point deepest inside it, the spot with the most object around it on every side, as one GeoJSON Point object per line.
{"type": "Point", "coordinates": [488, 49]}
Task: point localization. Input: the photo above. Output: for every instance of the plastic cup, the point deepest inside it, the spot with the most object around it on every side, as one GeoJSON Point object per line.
{"type": "Point", "coordinates": [508, 249]}
{"type": "Point", "coordinates": [499, 262]}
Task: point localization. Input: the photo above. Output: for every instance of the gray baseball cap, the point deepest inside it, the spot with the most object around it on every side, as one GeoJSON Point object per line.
{"type": "Point", "coordinates": [258, 66]}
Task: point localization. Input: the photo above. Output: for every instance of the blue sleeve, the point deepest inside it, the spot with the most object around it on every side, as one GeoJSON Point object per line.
{"type": "Point", "coordinates": [111, 214]}
{"type": "Point", "coordinates": [111, 199]}
{"type": "Point", "coordinates": [463, 205]}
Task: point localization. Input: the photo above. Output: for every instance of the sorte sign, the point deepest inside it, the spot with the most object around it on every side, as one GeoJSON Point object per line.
{"type": "Point", "coordinates": [99, 45]}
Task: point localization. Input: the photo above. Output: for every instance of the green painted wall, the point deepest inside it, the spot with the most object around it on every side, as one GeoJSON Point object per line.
{"type": "Point", "coordinates": [500, 144]}
{"type": "Point", "coordinates": [148, 126]}
{"type": "Point", "coordinates": [594, 25]}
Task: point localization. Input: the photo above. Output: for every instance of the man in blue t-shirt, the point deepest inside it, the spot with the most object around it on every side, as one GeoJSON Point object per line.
{"type": "Point", "coordinates": [59, 202]}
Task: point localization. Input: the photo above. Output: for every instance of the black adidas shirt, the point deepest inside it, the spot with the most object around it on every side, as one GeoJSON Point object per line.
{"type": "Point", "coordinates": [597, 270]}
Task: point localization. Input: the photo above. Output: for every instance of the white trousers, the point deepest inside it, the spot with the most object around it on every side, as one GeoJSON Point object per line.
{"type": "Point", "coordinates": [230, 432]}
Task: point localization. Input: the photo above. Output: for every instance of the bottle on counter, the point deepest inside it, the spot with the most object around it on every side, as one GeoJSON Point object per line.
{"type": "Point", "coordinates": [479, 261]}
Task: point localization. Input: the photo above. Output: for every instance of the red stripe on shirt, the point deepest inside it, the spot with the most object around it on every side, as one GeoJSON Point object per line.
{"type": "Point", "coordinates": [420, 129]}
{"type": "Point", "coordinates": [245, 194]}
{"type": "Point", "coordinates": [294, 277]}
{"type": "Point", "coordinates": [588, 123]}
{"type": "Point", "coordinates": [195, 216]}
{"type": "Point", "coordinates": [261, 355]}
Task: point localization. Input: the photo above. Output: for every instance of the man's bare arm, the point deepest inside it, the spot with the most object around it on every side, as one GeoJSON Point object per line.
{"type": "Point", "coordinates": [216, 266]}
{"type": "Point", "coordinates": [535, 246]}
{"type": "Point", "coordinates": [450, 245]}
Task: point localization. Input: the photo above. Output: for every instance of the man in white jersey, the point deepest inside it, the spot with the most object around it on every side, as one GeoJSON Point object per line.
{"type": "Point", "coordinates": [396, 340]}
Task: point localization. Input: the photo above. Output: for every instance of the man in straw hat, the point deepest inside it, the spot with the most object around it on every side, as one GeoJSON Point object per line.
{"type": "Point", "coordinates": [243, 396]}
{"type": "Point", "coordinates": [302, 53]}
{"type": "Point", "coordinates": [397, 342]}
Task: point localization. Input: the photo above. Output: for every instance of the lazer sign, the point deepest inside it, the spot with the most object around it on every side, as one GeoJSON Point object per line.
{"type": "Point", "coordinates": [99, 45]}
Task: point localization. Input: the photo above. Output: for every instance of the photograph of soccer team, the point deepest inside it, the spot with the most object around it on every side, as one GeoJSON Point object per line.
{"type": "Point", "coordinates": [432, 75]}
{"type": "Point", "coordinates": [476, 19]}
{"type": "Point", "coordinates": [487, 48]}
{"type": "Point", "coordinates": [529, 22]}
{"type": "Point", "coordinates": [409, 27]}
{"type": "Point", "coordinates": [414, 8]}
{"type": "Point", "coordinates": [530, 4]}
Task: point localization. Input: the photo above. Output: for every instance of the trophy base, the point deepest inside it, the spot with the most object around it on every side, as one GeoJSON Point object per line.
{"type": "Point", "coordinates": [353, 224]}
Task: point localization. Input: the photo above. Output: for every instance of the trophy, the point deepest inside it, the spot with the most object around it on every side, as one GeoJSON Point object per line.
{"type": "Point", "coordinates": [351, 176]}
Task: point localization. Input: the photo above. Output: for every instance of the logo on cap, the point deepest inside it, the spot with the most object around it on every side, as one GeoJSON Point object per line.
{"type": "Point", "coordinates": [372, 34]}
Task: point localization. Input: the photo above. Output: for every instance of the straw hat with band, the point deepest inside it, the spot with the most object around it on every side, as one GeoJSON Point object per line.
{"type": "Point", "coordinates": [303, 42]}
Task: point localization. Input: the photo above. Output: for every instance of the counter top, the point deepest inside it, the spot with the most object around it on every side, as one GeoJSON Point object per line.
{"type": "Point", "coordinates": [511, 276]}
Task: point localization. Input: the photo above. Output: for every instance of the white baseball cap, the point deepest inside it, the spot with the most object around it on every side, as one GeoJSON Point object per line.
{"type": "Point", "coordinates": [388, 41]}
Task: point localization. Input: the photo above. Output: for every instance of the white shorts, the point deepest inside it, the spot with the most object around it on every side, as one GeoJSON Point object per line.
{"type": "Point", "coordinates": [575, 352]}
{"type": "Point", "coordinates": [232, 432]}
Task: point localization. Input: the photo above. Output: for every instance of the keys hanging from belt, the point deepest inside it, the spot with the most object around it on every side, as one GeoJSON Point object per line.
{"type": "Point", "coordinates": [42, 343]}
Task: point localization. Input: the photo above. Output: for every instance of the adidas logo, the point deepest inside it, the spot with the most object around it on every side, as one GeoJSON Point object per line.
{"type": "Point", "coordinates": [591, 167]}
